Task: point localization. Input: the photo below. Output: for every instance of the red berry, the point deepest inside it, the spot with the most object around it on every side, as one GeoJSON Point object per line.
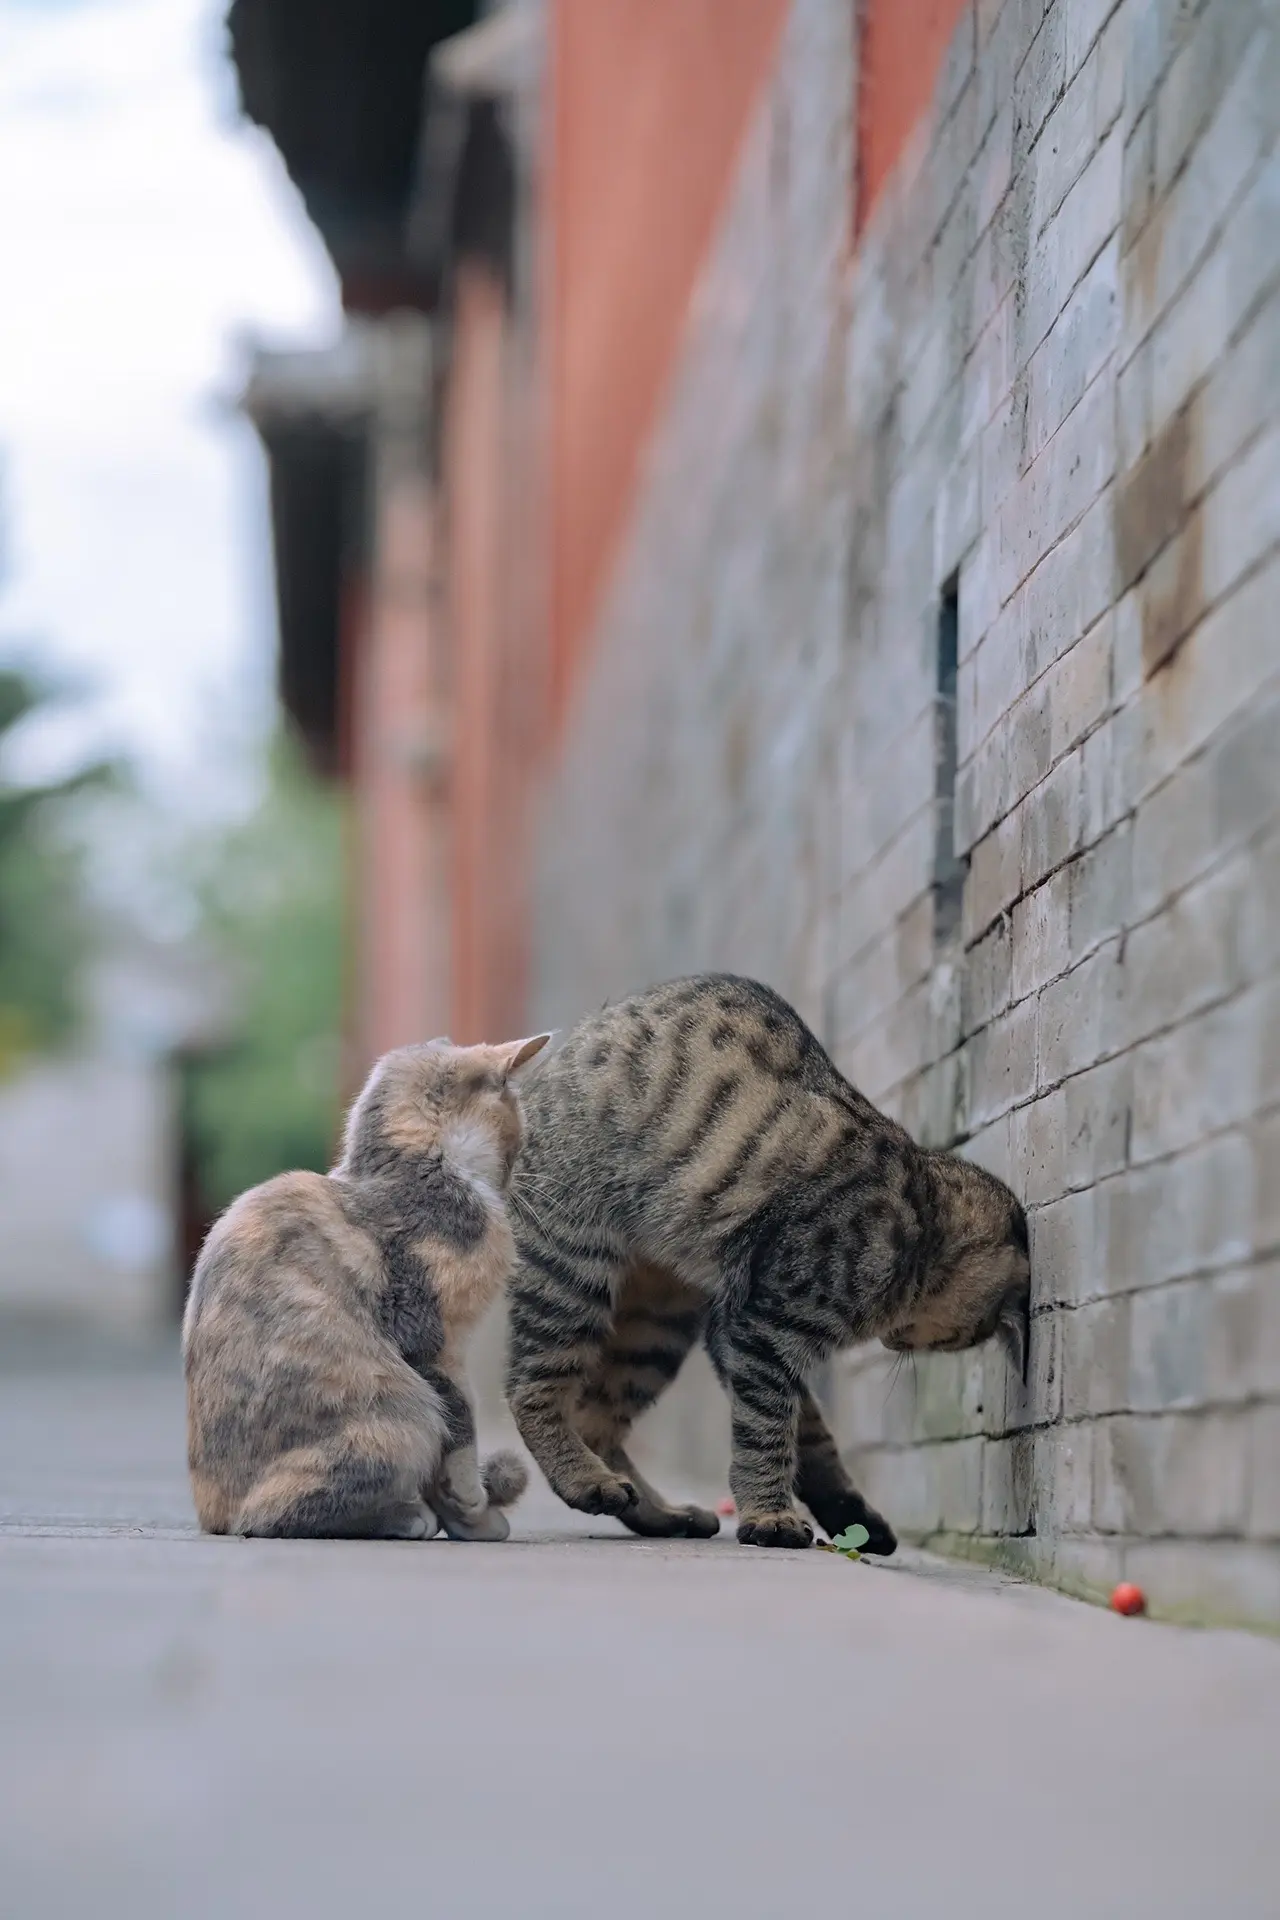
{"type": "Point", "coordinates": [725, 1508]}
{"type": "Point", "coordinates": [1128, 1599]}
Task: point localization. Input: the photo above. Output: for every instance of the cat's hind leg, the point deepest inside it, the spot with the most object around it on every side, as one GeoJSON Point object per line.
{"type": "Point", "coordinates": [345, 1497]}
{"type": "Point", "coordinates": [657, 1321]}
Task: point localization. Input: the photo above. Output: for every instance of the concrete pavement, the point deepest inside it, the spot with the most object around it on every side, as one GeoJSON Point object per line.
{"type": "Point", "coordinates": [576, 1723]}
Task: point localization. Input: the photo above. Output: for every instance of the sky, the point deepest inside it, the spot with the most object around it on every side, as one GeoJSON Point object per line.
{"type": "Point", "coordinates": [147, 235]}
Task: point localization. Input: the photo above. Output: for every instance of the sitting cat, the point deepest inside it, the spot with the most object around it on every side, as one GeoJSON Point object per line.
{"type": "Point", "coordinates": [695, 1166]}
{"type": "Point", "coordinates": [325, 1332]}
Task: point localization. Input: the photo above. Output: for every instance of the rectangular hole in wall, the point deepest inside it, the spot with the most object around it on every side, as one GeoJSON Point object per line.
{"type": "Point", "coordinates": [948, 871]}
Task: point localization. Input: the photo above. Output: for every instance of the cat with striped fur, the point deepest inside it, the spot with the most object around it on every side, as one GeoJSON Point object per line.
{"type": "Point", "coordinates": [695, 1167]}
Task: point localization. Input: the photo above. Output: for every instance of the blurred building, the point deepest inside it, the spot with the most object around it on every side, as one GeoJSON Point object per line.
{"type": "Point", "coordinates": [95, 1213]}
{"type": "Point", "coordinates": [801, 494]}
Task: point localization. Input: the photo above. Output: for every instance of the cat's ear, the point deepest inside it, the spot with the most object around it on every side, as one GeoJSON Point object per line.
{"type": "Point", "coordinates": [516, 1052]}
{"type": "Point", "coordinates": [1012, 1330]}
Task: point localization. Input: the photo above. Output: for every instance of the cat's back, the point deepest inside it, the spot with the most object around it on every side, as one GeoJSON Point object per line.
{"type": "Point", "coordinates": [703, 1094]}
{"type": "Point", "coordinates": [280, 1255]}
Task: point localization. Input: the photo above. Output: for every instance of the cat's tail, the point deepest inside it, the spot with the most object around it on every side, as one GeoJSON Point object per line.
{"type": "Point", "coordinates": [505, 1478]}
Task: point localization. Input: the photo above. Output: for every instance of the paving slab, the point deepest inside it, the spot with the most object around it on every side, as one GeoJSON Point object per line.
{"type": "Point", "coordinates": [576, 1723]}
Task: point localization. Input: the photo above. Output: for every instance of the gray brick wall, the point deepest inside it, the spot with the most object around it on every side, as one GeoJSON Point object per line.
{"type": "Point", "coordinates": [1050, 372]}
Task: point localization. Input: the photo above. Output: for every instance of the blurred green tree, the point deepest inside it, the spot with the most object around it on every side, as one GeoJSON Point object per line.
{"type": "Point", "coordinates": [271, 896]}
{"type": "Point", "coordinates": [44, 924]}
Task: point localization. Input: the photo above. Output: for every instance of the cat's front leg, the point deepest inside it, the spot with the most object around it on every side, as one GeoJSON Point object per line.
{"type": "Point", "coordinates": [765, 1396]}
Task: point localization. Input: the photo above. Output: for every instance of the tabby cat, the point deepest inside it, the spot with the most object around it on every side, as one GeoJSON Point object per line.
{"type": "Point", "coordinates": [325, 1331]}
{"type": "Point", "coordinates": [695, 1166]}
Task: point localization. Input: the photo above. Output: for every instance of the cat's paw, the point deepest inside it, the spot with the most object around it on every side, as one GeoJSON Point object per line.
{"type": "Point", "coordinates": [782, 1529]}
{"type": "Point", "coordinates": [411, 1523]}
{"type": "Point", "coordinates": [505, 1477]}
{"type": "Point", "coordinates": [851, 1510]}
{"type": "Point", "coordinates": [489, 1524]}
{"type": "Point", "coordinates": [614, 1496]}
{"type": "Point", "coordinates": [671, 1523]}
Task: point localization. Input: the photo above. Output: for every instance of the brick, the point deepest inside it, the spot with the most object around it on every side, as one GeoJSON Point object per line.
{"type": "Point", "coordinates": [1184, 224]}
{"type": "Point", "coordinates": [1002, 1064]}
{"type": "Point", "coordinates": [1095, 1358]}
{"type": "Point", "coordinates": [1241, 517]}
{"type": "Point", "coordinates": [984, 990]}
{"type": "Point", "coordinates": [1075, 1013]}
{"type": "Point", "coordinates": [1075, 350]}
{"type": "Point", "coordinates": [1190, 343]}
{"type": "Point", "coordinates": [1064, 1480]}
{"type": "Point", "coordinates": [1194, 83]}
{"type": "Point", "coordinates": [1004, 49]}
{"type": "Point", "coordinates": [1153, 499]}
{"type": "Point", "coordinates": [1066, 142]}
{"type": "Point", "coordinates": [1042, 76]}
{"type": "Point", "coordinates": [1062, 1241]}
{"type": "Point", "coordinates": [1004, 456]}
{"type": "Point", "coordinates": [1073, 239]}
{"type": "Point", "coordinates": [1138, 180]}
{"type": "Point", "coordinates": [1112, 52]}
{"type": "Point", "coordinates": [1052, 827]}
{"type": "Point", "coordinates": [1188, 954]}
{"type": "Point", "coordinates": [1100, 882]}
{"type": "Point", "coordinates": [947, 1397]}
{"type": "Point", "coordinates": [1202, 1077]}
{"type": "Point", "coordinates": [1173, 837]}
{"type": "Point", "coordinates": [1240, 397]}
{"type": "Point", "coordinates": [1008, 1468]}
{"type": "Point", "coordinates": [1040, 935]}
{"type": "Point", "coordinates": [960, 1485]}
{"type": "Point", "coordinates": [1026, 739]}
{"type": "Point", "coordinates": [1264, 1473]}
{"type": "Point", "coordinates": [1222, 667]}
{"type": "Point", "coordinates": [1173, 1473]}
{"type": "Point", "coordinates": [1244, 1333]}
{"type": "Point", "coordinates": [1037, 1147]}
{"type": "Point", "coordinates": [1113, 759]}
{"type": "Point", "coordinates": [1158, 28]}
{"type": "Point", "coordinates": [1177, 1217]}
{"type": "Point", "coordinates": [1264, 1149]}
{"type": "Point", "coordinates": [904, 1482]}
{"type": "Point", "coordinates": [994, 877]}
{"type": "Point", "coordinates": [1098, 1121]}
{"type": "Point", "coordinates": [1057, 488]}
{"type": "Point", "coordinates": [1039, 1402]}
{"type": "Point", "coordinates": [1134, 406]}
{"type": "Point", "coordinates": [1069, 591]}
{"type": "Point", "coordinates": [1168, 1346]}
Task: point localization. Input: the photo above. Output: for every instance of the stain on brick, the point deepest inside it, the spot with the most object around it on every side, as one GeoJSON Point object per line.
{"type": "Point", "coordinates": [1151, 499]}
{"type": "Point", "coordinates": [1160, 535]}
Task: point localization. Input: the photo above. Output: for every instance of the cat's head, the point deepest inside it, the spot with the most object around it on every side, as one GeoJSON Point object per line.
{"type": "Point", "coordinates": [434, 1097]}
{"type": "Point", "coordinates": [978, 1283]}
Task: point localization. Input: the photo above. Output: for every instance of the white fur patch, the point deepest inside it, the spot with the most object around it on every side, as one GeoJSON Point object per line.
{"type": "Point", "coordinates": [471, 1148]}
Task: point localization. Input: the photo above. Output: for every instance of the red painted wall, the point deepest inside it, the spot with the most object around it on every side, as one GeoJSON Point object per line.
{"type": "Point", "coordinates": [899, 55]}
{"type": "Point", "coordinates": [649, 103]}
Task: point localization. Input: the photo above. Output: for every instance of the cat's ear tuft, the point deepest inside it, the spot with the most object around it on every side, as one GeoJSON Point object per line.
{"type": "Point", "coordinates": [519, 1051]}
{"type": "Point", "coordinates": [1012, 1331]}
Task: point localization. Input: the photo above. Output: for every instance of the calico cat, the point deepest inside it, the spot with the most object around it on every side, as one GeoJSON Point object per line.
{"type": "Point", "coordinates": [695, 1166]}
{"type": "Point", "coordinates": [324, 1335]}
